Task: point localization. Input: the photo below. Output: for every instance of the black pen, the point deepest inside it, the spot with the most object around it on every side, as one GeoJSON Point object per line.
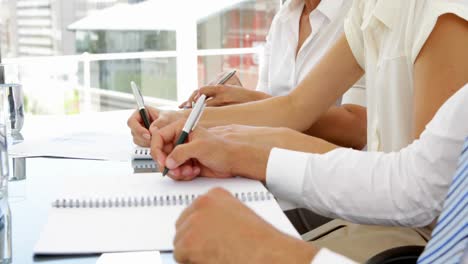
{"type": "Point", "coordinates": [140, 104]}
{"type": "Point", "coordinates": [190, 124]}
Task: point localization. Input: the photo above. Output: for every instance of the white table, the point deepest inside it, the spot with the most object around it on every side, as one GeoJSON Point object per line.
{"type": "Point", "coordinates": [30, 199]}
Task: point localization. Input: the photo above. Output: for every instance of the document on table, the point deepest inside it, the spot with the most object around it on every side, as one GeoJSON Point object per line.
{"type": "Point", "coordinates": [79, 145]}
{"type": "Point", "coordinates": [137, 212]}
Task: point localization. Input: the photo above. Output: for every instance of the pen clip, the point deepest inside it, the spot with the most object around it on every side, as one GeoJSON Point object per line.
{"type": "Point", "coordinates": [199, 116]}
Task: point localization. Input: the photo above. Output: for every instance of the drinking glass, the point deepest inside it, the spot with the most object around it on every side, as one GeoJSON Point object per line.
{"type": "Point", "coordinates": [5, 214]}
{"type": "Point", "coordinates": [14, 98]}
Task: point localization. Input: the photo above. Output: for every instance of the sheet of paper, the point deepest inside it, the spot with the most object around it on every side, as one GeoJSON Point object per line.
{"type": "Point", "coordinates": [79, 145]}
{"type": "Point", "coordinates": [143, 257]}
{"type": "Point", "coordinates": [82, 229]}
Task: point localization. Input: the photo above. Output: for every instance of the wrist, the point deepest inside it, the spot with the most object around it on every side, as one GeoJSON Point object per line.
{"type": "Point", "coordinates": [249, 160]}
{"type": "Point", "coordinates": [257, 95]}
{"type": "Point", "coordinates": [289, 250]}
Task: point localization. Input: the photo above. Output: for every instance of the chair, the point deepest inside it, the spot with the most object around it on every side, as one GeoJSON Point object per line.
{"type": "Point", "coordinates": [400, 255]}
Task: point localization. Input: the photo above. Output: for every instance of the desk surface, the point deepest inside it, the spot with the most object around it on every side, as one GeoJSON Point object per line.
{"type": "Point", "coordinates": [31, 197]}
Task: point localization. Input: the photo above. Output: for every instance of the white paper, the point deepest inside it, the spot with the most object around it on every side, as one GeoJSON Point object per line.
{"type": "Point", "coordinates": [117, 229]}
{"type": "Point", "coordinates": [79, 145]}
{"type": "Point", "coordinates": [143, 257]}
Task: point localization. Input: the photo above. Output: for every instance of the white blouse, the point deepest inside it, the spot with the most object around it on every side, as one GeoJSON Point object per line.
{"type": "Point", "coordinates": [280, 69]}
{"type": "Point", "coordinates": [386, 37]}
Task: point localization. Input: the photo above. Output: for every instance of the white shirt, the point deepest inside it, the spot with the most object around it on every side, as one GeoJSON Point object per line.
{"type": "Point", "coordinates": [280, 69]}
{"type": "Point", "coordinates": [405, 188]}
{"type": "Point", "coordinates": [386, 37]}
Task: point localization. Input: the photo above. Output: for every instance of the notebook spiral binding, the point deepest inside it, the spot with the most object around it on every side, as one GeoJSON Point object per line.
{"type": "Point", "coordinates": [149, 201]}
{"type": "Point", "coordinates": [142, 154]}
{"type": "Point", "coordinates": [143, 151]}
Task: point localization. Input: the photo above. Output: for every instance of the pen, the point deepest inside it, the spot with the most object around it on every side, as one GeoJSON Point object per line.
{"type": "Point", "coordinates": [223, 80]}
{"type": "Point", "coordinates": [190, 124]}
{"type": "Point", "coordinates": [140, 104]}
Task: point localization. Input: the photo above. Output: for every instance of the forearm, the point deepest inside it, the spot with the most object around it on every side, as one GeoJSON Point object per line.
{"type": "Point", "coordinates": [305, 104]}
{"type": "Point", "coordinates": [250, 159]}
{"type": "Point", "coordinates": [273, 112]}
{"type": "Point", "coordinates": [345, 126]}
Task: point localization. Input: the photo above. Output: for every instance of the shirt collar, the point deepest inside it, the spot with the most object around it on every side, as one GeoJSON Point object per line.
{"type": "Point", "coordinates": [330, 8]}
{"type": "Point", "coordinates": [290, 8]}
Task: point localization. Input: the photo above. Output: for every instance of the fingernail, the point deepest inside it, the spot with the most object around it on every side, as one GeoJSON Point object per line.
{"type": "Point", "coordinates": [147, 136]}
{"type": "Point", "coordinates": [170, 163]}
{"type": "Point", "coordinates": [196, 171]}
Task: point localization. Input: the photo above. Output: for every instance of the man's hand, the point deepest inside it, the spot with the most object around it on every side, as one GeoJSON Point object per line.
{"type": "Point", "coordinates": [217, 228]}
{"type": "Point", "coordinates": [266, 136]}
{"type": "Point", "coordinates": [141, 135]}
{"type": "Point", "coordinates": [273, 137]}
{"type": "Point", "coordinates": [206, 154]}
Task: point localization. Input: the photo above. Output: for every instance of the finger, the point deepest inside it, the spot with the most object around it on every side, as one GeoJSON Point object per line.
{"type": "Point", "coordinates": [163, 140]}
{"type": "Point", "coordinates": [188, 103]}
{"type": "Point", "coordinates": [234, 80]}
{"type": "Point", "coordinates": [212, 91]}
{"type": "Point", "coordinates": [184, 172]}
{"type": "Point", "coordinates": [168, 148]}
{"type": "Point", "coordinates": [152, 112]}
{"type": "Point", "coordinates": [183, 105]}
{"type": "Point", "coordinates": [135, 123]}
{"type": "Point", "coordinates": [141, 141]}
{"type": "Point", "coordinates": [182, 153]}
{"type": "Point", "coordinates": [193, 97]}
{"type": "Point", "coordinates": [216, 101]}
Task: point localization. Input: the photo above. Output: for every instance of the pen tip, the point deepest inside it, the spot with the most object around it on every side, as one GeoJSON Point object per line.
{"type": "Point", "coordinates": [166, 170]}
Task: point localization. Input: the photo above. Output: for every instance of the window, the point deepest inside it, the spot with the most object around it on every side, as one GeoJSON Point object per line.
{"type": "Point", "coordinates": [81, 55]}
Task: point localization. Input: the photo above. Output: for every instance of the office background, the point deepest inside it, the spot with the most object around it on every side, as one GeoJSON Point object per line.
{"type": "Point", "coordinates": [79, 56]}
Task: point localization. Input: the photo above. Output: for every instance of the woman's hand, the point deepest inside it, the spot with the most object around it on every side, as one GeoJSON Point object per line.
{"type": "Point", "coordinates": [141, 135]}
{"type": "Point", "coordinates": [206, 154]}
{"type": "Point", "coordinates": [234, 80]}
{"type": "Point", "coordinates": [220, 95]}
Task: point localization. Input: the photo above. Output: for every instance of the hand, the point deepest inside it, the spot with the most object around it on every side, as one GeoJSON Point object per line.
{"type": "Point", "coordinates": [220, 95]}
{"type": "Point", "coordinates": [218, 228]}
{"type": "Point", "coordinates": [234, 80]}
{"type": "Point", "coordinates": [141, 135]}
{"type": "Point", "coordinates": [206, 154]}
{"type": "Point", "coordinates": [266, 136]}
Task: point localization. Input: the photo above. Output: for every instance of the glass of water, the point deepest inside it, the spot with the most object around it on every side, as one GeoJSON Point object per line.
{"type": "Point", "coordinates": [5, 215]}
{"type": "Point", "coordinates": [14, 98]}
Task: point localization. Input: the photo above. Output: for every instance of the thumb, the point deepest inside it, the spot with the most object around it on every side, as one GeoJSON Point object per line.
{"type": "Point", "coordinates": [182, 153]}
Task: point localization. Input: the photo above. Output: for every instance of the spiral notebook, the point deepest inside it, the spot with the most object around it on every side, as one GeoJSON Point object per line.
{"type": "Point", "coordinates": [142, 162]}
{"type": "Point", "coordinates": [137, 212]}
{"type": "Point", "coordinates": [141, 153]}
